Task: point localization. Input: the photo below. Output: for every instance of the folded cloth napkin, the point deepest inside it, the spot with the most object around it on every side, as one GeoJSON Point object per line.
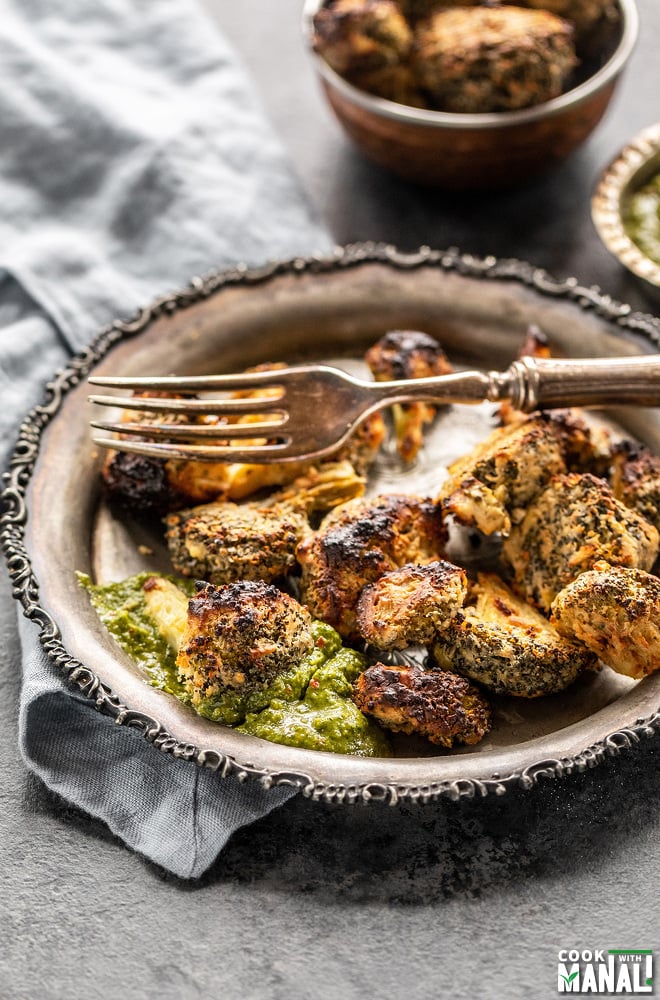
{"type": "Point", "coordinates": [133, 155]}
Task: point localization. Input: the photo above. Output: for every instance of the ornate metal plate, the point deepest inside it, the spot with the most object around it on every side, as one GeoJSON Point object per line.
{"type": "Point", "coordinates": [54, 522]}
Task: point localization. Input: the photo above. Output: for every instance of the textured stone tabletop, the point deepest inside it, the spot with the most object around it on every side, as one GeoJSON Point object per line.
{"type": "Point", "coordinates": [458, 900]}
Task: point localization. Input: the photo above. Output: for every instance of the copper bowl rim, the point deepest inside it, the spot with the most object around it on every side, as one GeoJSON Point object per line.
{"type": "Point", "coordinates": [629, 167]}
{"type": "Point", "coordinates": [490, 120]}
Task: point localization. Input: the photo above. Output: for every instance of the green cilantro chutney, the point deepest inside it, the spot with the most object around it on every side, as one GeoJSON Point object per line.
{"type": "Point", "coordinates": [641, 218]}
{"type": "Point", "coordinates": [324, 717]}
{"type": "Point", "coordinates": [121, 608]}
{"type": "Point", "coordinates": [308, 705]}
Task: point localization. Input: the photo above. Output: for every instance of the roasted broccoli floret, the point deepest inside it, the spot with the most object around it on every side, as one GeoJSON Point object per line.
{"type": "Point", "coordinates": [408, 354]}
{"type": "Point", "coordinates": [368, 43]}
{"type": "Point", "coordinates": [240, 636]}
{"type": "Point", "coordinates": [615, 612]}
{"type": "Point", "coordinates": [224, 542]}
{"type": "Point", "coordinates": [407, 606]}
{"type": "Point", "coordinates": [356, 544]}
{"type": "Point", "coordinates": [635, 479]}
{"type": "Point", "coordinates": [441, 706]}
{"type": "Point", "coordinates": [483, 59]}
{"type": "Point", "coordinates": [573, 524]}
{"type": "Point", "coordinates": [392, 83]}
{"type": "Point", "coordinates": [490, 487]}
{"type": "Point", "coordinates": [361, 36]}
{"type": "Point", "coordinates": [144, 484]}
{"type": "Point", "coordinates": [508, 646]}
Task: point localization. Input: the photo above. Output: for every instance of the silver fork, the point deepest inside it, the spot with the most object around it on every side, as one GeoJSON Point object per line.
{"type": "Point", "coordinates": [311, 410]}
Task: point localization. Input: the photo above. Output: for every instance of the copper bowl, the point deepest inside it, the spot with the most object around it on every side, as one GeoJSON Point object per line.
{"type": "Point", "coordinates": [636, 164]}
{"type": "Point", "coordinates": [479, 151]}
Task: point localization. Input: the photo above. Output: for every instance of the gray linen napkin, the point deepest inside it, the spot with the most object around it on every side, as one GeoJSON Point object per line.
{"type": "Point", "coordinates": [133, 155]}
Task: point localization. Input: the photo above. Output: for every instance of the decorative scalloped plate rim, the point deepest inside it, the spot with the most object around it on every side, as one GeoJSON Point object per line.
{"type": "Point", "coordinates": [13, 521]}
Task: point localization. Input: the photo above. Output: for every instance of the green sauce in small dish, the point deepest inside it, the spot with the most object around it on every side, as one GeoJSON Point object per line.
{"type": "Point", "coordinates": [641, 218]}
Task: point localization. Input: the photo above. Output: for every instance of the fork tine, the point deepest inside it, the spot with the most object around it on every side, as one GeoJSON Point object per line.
{"type": "Point", "coordinates": [193, 383]}
{"type": "Point", "coordinates": [160, 404]}
{"type": "Point", "coordinates": [248, 454]}
{"type": "Point", "coordinates": [188, 432]}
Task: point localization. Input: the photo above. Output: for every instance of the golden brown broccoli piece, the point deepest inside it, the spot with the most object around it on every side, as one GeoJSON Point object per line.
{"type": "Point", "coordinates": [443, 707]}
{"type": "Point", "coordinates": [360, 36]}
{"type": "Point", "coordinates": [244, 480]}
{"type": "Point", "coordinates": [585, 447]}
{"type": "Point", "coordinates": [508, 646]}
{"type": "Point", "coordinates": [319, 489]}
{"type": "Point", "coordinates": [363, 445]}
{"type": "Point", "coordinates": [368, 43]}
{"type": "Point", "coordinates": [615, 612]}
{"type": "Point", "coordinates": [223, 541]}
{"type": "Point", "coordinates": [407, 606]}
{"type": "Point", "coordinates": [404, 354]}
{"type": "Point", "coordinates": [635, 479]}
{"type": "Point", "coordinates": [139, 483]}
{"type": "Point", "coordinates": [482, 59]}
{"type": "Point", "coordinates": [240, 636]}
{"type": "Point", "coordinates": [153, 485]}
{"type": "Point", "coordinates": [535, 345]}
{"type": "Point", "coordinates": [491, 486]}
{"type": "Point", "coordinates": [573, 524]}
{"type": "Point", "coordinates": [356, 544]}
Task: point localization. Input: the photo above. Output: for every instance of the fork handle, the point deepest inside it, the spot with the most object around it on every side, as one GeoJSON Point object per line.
{"type": "Point", "coordinates": [537, 383]}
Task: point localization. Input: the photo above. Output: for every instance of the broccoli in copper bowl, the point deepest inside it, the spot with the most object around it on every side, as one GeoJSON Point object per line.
{"type": "Point", "coordinates": [469, 94]}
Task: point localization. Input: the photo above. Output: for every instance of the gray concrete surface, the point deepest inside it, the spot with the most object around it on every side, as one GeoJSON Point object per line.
{"type": "Point", "coordinates": [467, 901]}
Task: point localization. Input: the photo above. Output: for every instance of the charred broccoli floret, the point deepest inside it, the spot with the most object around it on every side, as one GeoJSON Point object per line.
{"type": "Point", "coordinates": [356, 544]}
{"type": "Point", "coordinates": [508, 646]}
{"type": "Point", "coordinates": [222, 542]}
{"type": "Point", "coordinates": [483, 59]}
{"type": "Point", "coordinates": [361, 36]}
{"type": "Point", "coordinates": [635, 479]}
{"type": "Point", "coordinates": [441, 706]}
{"type": "Point", "coordinates": [584, 15]}
{"type": "Point", "coordinates": [408, 606]}
{"type": "Point", "coordinates": [615, 612]}
{"type": "Point", "coordinates": [225, 542]}
{"type": "Point", "coordinates": [573, 524]}
{"type": "Point", "coordinates": [406, 354]}
{"type": "Point", "coordinates": [240, 636]}
{"type": "Point", "coordinates": [156, 486]}
{"type": "Point", "coordinates": [490, 487]}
